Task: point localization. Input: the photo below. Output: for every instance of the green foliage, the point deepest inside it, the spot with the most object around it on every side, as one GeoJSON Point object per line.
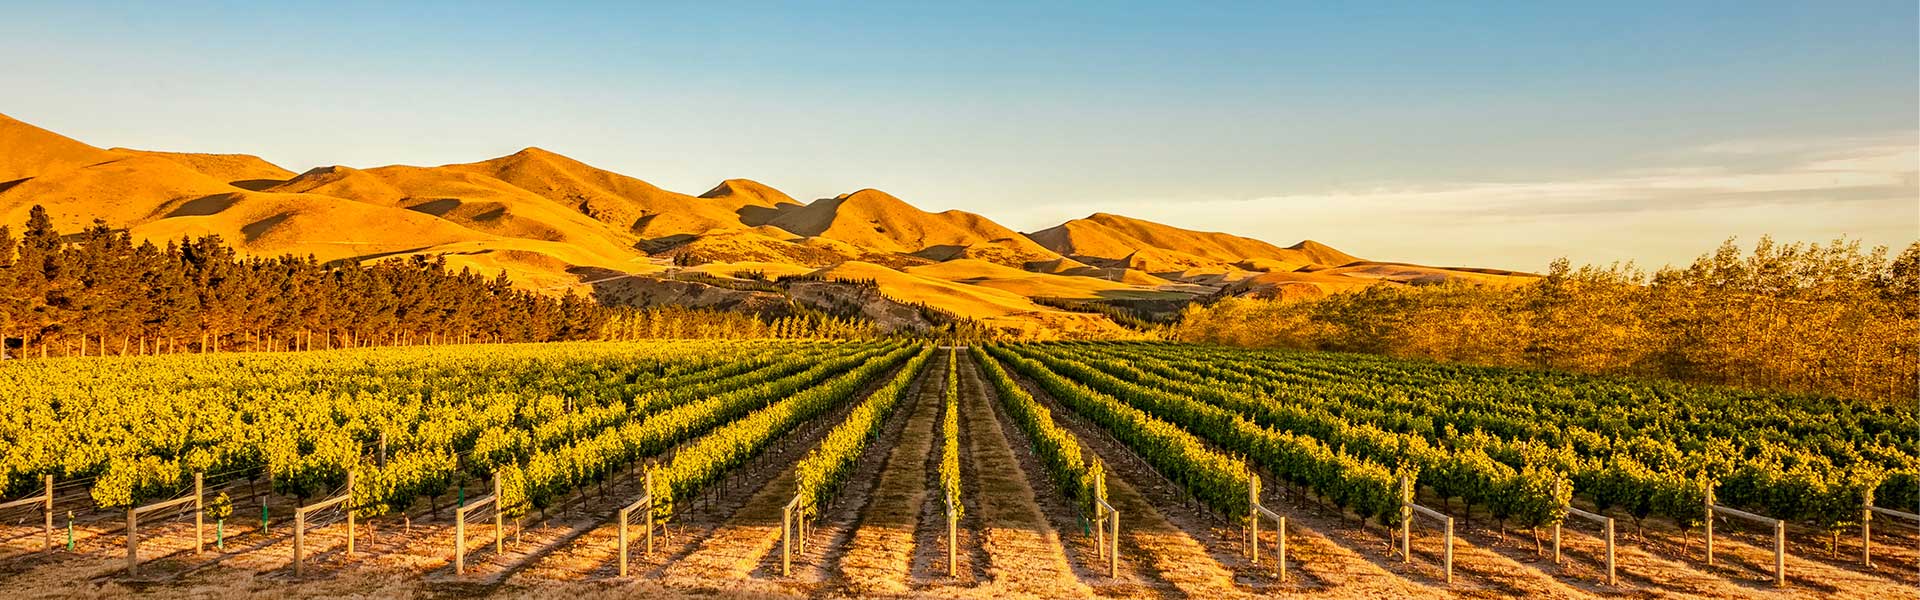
{"type": "Point", "coordinates": [1831, 319]}
{"type": "Point", "coordinates": [1070, 467]}
{"type": "Point", "coordinates": [950, 435]}
{"type": "Point", "coordinates": [220, 507]}
{"type": "Point", "coordinates": [826, 467]}
{"type": "Point", "coordinates": [1218, 480]}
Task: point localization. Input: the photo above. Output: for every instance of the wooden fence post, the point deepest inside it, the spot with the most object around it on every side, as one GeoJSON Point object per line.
{"type": "Point", "coordinates": [1709, 509]}
{"type": "Point", "coordinates": [953, 544]}
{"type": "Point", "coordinates": [1866, 535]}
{"type": "Point", "coordinates": [1280, 547]}
{"type": "Point", "coordinates": [1449, 550]}
{"type": "Point", "coordinates": [650, 512]}
{"type": "Point", "coordinates": [499, 509]}
{"type": "Point", "coordinates": [1780, 553]}
{"type": "Point", "coordinates": [459, 541]}
{"type": "Point", "coordinates": [1611, 578]}
{"type": "Point", "coordinates": [349, 506]}
{"type": "Point", "coordinates": [1556, 543]}
{"type": "Point", "coordinates": [1406, 519]}
{"type": "Point", "coordinates": [49, 515]}
{"type": "Point", "coordinates": [299, 541]}
{"type": "Point", "coordinates": [133, 542]}
{"type": "Point", "coordinates": [1253, 517]}
{"type": "Point", "coordinates": [199, 513]}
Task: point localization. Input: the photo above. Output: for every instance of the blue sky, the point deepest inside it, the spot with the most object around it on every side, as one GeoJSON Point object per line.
{"type": "Point", "coordinates": [1492, 134]}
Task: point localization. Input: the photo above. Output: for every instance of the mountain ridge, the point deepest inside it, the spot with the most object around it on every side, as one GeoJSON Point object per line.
{"type": "Point", "coordinates": [553, 223]}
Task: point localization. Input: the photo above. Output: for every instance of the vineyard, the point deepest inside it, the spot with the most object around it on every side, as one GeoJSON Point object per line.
{"type": "Point", "coordinates": [893, 467]}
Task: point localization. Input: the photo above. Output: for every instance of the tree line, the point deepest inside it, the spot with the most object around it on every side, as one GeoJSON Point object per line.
{"type": "Point", "coordinates": [98, 292]}
{"type": "Point", "coordinates": [1832, 318]}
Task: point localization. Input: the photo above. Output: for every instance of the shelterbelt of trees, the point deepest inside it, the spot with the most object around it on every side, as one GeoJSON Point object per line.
{"type": "Point", "coordinates": [1830, 318]}
{"type": "Point", "coordinates": [98, 292]}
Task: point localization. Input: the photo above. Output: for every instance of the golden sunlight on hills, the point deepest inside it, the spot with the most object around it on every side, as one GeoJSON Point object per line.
{"type": "Point", "coordinates": [552, 223]}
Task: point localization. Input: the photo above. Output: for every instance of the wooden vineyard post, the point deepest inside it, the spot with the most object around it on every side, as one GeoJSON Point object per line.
{"type": "Point", "coordinates": [1113, 552]}
{"type": "Point", "coordinates": [1780, 553]}
{"type": "Point", "coordinates": [133, 542]}
{"type": "Point", "coordinates": [45, 501]}
{"type": "Point", "coordinates": [1253, 518]}
{"type": "Point", "coordinates": [1106, 524]}
{"type": "Point", "coordinates": [49, 514]}
{"type": "Point", "coordinates": [650, 511]}
{"type": "Point", "coordinates": [1779, 537]}
{"type": "Point", "coordinates": [1255, 512]}
{"type": "Point", "coordinates": [1606, 524]}
{"type": "Point", "coordinates": [1406, 519]}
{"type": "Point", "coordinates": [1280, 547]}
{"type": "Point", "coordinates": [300, 525]}
{"type": "Point", "coordinates": [1709, 497]}
{"type": "Point", "coordinates": [299, 541]}
{"type": "Point", "coordinates": [644, 503]}
{"type": "Point", "coordinates": [953, 544]}
{"type": "Point", "coordinates": [460, 526]}
{"type": "Point", "coordinates": [1612, 578]}
{"type": "Point", "coordinates": [349, 507]}
{"type": "Point", "coordinates": [460, 541]}
{"type": "Point", "coordinates": [1866, 532]}
{"type": "Point", "coordinates": [1556, 543]}
{"type": "Point", "coordinates": [199, 514]}
{"type": "Point", "coordinates": [499, 524]}
{"type": "Point", "coordinates": [133, 521]}
{"type": "Point", "coordinates": [787, 532]}
{"type": "Point", "coordinates": [1866, 536]}
{"type": "Point", "coordinates": [1407, 510]}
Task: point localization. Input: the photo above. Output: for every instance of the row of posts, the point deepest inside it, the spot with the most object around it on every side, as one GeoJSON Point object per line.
{"type": "Point", "coordinates": [795, 525]}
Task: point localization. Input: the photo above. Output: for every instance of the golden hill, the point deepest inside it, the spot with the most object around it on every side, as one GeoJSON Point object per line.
{"type": "Point", "coordinates": [244, 171]}
{"type": "Point", "coordinates": [875, 220]}
{"type": "Point", "coordinates": [31, 151]}
{"type": "Point", "coordinates": [553, 223]}
{"type": "Point", "coordinates": [1160, 248]}
{"type": "Point", "coordinates": [994, 307]}
{"type": "Point", "coordinates": [471, 200]}
{"type": "Point", "coordinates": [618, 200]}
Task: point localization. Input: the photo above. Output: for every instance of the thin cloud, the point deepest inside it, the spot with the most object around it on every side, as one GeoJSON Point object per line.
{"type": "Point", "coordinates": [1815, 189]}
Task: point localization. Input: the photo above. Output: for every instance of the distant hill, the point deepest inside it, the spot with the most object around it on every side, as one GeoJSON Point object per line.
{"type": "Point", "coordinates": [552, 223]}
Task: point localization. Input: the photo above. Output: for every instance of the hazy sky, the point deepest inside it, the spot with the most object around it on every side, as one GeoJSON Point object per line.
{"type": "Point", "coordinates": [1498, 134]}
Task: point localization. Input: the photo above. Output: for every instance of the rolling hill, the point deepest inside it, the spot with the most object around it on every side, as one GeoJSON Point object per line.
{"type": "Point", "coordinates": [554, 224]}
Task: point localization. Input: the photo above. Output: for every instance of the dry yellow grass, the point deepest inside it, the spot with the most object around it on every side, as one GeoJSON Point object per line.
{"type": "Point", "coordinates": [875, 220]}
{"type": "Point", "coordinates": [994, 307]}
{"type": "Point", "coordinates": [741, 193]}
{"type": "Point", "coordinates": [243, 170]}
{"type": "Point", "coordinates": [550, 222]}
{"type": "Point", "coordinates": [1114, 237]}
{"type": "Point", "coordinates": [31, 151]}
{"type": "Point", "coordinates": [609, 197]}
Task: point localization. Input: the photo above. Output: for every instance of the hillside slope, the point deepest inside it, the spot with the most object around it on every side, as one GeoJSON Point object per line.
{"type": "Point", "coordinates": [876, 220]}
{"type": "Point", "coordinates": [553, 223]}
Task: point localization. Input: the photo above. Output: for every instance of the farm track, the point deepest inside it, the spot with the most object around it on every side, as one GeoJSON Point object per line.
{"type": "Point", "coordinates": [877, 557]}
{"type": "Point", "coordinates": [1024, 554]}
